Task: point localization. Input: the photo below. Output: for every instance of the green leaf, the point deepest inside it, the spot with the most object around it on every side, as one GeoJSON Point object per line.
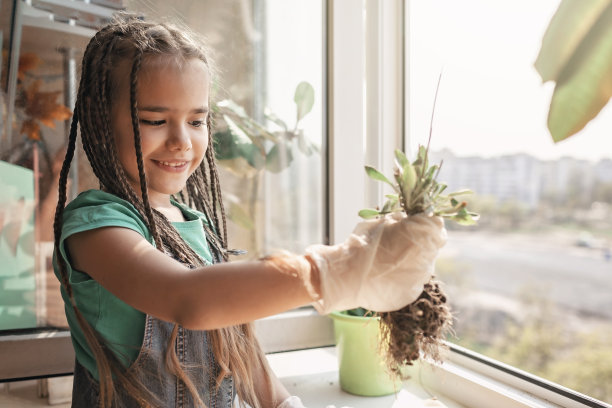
{"type": "Point", "coordinates": [409, 178]}
{"type": "Point", "coordinates": [584, 82]}
{"type": "Point", "coordinates": [421, 159]}
{"type": "Point", "coordinates": [271, 116]}
{"type": "Point", "coordinates": [279, 157]}
{"type": "Point", "coordinates": [244, 145]}
{"type": "Point", "coordinates": [225, 145]}
{"type": "Point", "coordinates": [566, 30]}
{"type": "Point", "coordinates": [377, 175]}
{"type": "Point", "coordinates": [391, 205]}
{"type": "Point", "coordinates": [233, 107]}
{"type": "Point", "coordinates": [368, 213]}
{"type": "Point", "coordinates": [440, 188]}
{"type": "Point", "coordinates": [239, 216]}
{"type": "Point", "coordinates": [305, 145]}
{"type": "Point", "coordinates": [460, 192]}
{"type": "Point", "coordinates": [304, 99]}
{"type": "Point", "coordinates": [400, 159]}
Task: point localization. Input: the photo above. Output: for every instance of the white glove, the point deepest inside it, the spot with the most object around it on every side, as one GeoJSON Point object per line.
{"type": "Point", "coordinates": [292, 402]}
{"type": "Point", "coordinates": [382, 266]}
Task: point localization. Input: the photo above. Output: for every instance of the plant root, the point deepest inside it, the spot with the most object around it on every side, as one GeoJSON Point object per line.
{"type": "Point", "coordinates": [416, 330]}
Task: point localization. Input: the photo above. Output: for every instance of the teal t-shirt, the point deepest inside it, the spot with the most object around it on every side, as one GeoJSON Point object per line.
{"type": "Point", "coordinates": [120, 324]}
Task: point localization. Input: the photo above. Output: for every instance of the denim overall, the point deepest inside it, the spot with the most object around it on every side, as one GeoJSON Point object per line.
{"type": "Point", "coordinates": [193, 351]}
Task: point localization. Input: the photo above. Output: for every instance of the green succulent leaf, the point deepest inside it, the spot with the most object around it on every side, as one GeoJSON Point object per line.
{"type": "Point", "coordinates": [400, 159]}
{"type": "Point", "coordinates": [409, 178]}
{"type": "Point", "coordinates": [390, 206]}
{"type": "Point", "coordinates": [368, 213]}
{"type": "Point", "coordinates": [377, 175]}
{"type": "Point", "coordinates": [460, 192]}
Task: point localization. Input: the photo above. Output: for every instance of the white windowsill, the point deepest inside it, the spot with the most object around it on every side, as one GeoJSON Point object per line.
{"type": "Point", "coordinates": [313, 376]}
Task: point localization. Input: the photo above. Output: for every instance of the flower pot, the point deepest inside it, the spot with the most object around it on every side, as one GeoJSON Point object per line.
{"type": "Point", "coordinates": [361, 366]}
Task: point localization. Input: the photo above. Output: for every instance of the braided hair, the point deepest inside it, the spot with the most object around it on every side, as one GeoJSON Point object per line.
{"type": "Point", "coordinates": [235, 348]}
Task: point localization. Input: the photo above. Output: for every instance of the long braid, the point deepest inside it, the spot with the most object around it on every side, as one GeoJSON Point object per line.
{"type": "Point", "coordinates": [136, 129]}
{"type": "Point", "coordinates": [59, 210]}
{"type": "Point", "coordinates": [215, 188]}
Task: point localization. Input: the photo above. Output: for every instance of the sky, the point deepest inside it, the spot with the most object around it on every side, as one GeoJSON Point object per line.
{"type": "Point", "coordinates": [491, 100]}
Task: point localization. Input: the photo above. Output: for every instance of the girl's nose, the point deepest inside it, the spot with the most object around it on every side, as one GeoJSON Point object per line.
{"type": "Point", "coordinates": [178, 139]}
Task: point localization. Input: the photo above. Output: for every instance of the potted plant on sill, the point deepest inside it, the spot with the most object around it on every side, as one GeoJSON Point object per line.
{"type": "Point", "coordinates": [373, 347]}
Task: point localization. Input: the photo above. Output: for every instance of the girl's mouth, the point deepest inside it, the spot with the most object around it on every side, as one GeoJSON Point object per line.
{"type": "Point", "coordinates": [176, 166]}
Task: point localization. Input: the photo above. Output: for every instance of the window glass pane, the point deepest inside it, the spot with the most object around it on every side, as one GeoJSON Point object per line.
{"type": "Point", "coordinates": [531, 283]}
{"type": "Point", "coordinates": [270, 163]}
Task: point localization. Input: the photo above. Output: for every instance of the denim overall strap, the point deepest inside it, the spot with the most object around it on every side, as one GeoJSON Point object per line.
{"type": "Point", "coordinates": [194, 352]}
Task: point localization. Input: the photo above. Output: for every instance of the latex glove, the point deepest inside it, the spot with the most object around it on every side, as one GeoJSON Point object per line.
{"type": "Point", "coordinates": [382, 266]}
{"type": "Point", "coordinates": [292, 402]}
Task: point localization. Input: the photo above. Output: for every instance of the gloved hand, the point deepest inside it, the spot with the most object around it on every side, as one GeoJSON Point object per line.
{"type": "Point", "coordinates": [382, 266]}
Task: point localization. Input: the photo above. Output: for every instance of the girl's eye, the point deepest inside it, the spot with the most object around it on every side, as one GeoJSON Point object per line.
{"type": "Point", "coordinates": [152, 122]}
{"type": "Point", "coordinates": [197, 123]}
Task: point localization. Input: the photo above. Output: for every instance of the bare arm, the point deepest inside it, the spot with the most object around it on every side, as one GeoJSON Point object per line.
{"type": "Point", "coordinates": [205, 298]}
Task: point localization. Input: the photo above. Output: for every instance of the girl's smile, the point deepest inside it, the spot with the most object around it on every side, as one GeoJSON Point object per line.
{"type": "Point", "coordinates": [175, 166]}
{"type": "Point", "coordinates": [172, 100]}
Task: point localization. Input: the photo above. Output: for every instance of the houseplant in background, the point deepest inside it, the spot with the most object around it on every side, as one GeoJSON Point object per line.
{"type": "Point", "coordinates": [247, 148]}
{"type": "Point", "coordinates": [374, 347]}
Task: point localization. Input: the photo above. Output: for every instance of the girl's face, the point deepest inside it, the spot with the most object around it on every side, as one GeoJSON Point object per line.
{"type": "Point", "coordinates": [173, 108]}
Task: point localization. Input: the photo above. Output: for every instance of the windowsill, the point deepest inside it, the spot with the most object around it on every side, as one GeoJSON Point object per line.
{"type": "Point", "coordinates": [313, 376]}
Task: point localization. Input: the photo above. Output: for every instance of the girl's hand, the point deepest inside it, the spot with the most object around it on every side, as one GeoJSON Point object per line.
{"type": "Point", "coordinates": [382, 266]}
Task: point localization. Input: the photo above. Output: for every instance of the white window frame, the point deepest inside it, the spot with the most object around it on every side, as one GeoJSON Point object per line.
{"type": "Point", "coordinates": [364, 102]}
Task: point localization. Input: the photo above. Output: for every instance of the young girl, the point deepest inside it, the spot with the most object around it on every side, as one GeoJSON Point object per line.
{"type": "Point", "coordinates": [157, 317]}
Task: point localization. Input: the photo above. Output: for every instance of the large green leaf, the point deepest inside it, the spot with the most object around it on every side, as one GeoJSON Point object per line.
{"type": "Point", "coordinates": [584, 85]}
{"type": "Point", "coordinates": [568, 27]}
{"type": "Point", "coordinates": [243, 145]}
{"type": "Point", "coordinates": [233, 107]}
{"type": "Point", "coordinates": [304, 99]}
{"type": "Point", "coordinates": [279, 157]}
{"type": "Point", "coordinates": [577, 53]}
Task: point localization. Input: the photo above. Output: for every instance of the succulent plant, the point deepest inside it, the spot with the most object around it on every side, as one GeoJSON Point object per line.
{"type": "Point", "coordinates": [420, 328]}
{"type": "Point", "coordinates": [417, 190]}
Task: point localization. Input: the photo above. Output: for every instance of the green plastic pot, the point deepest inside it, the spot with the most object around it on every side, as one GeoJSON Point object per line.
{"type": "Point", "coordinates": [361, 366]}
